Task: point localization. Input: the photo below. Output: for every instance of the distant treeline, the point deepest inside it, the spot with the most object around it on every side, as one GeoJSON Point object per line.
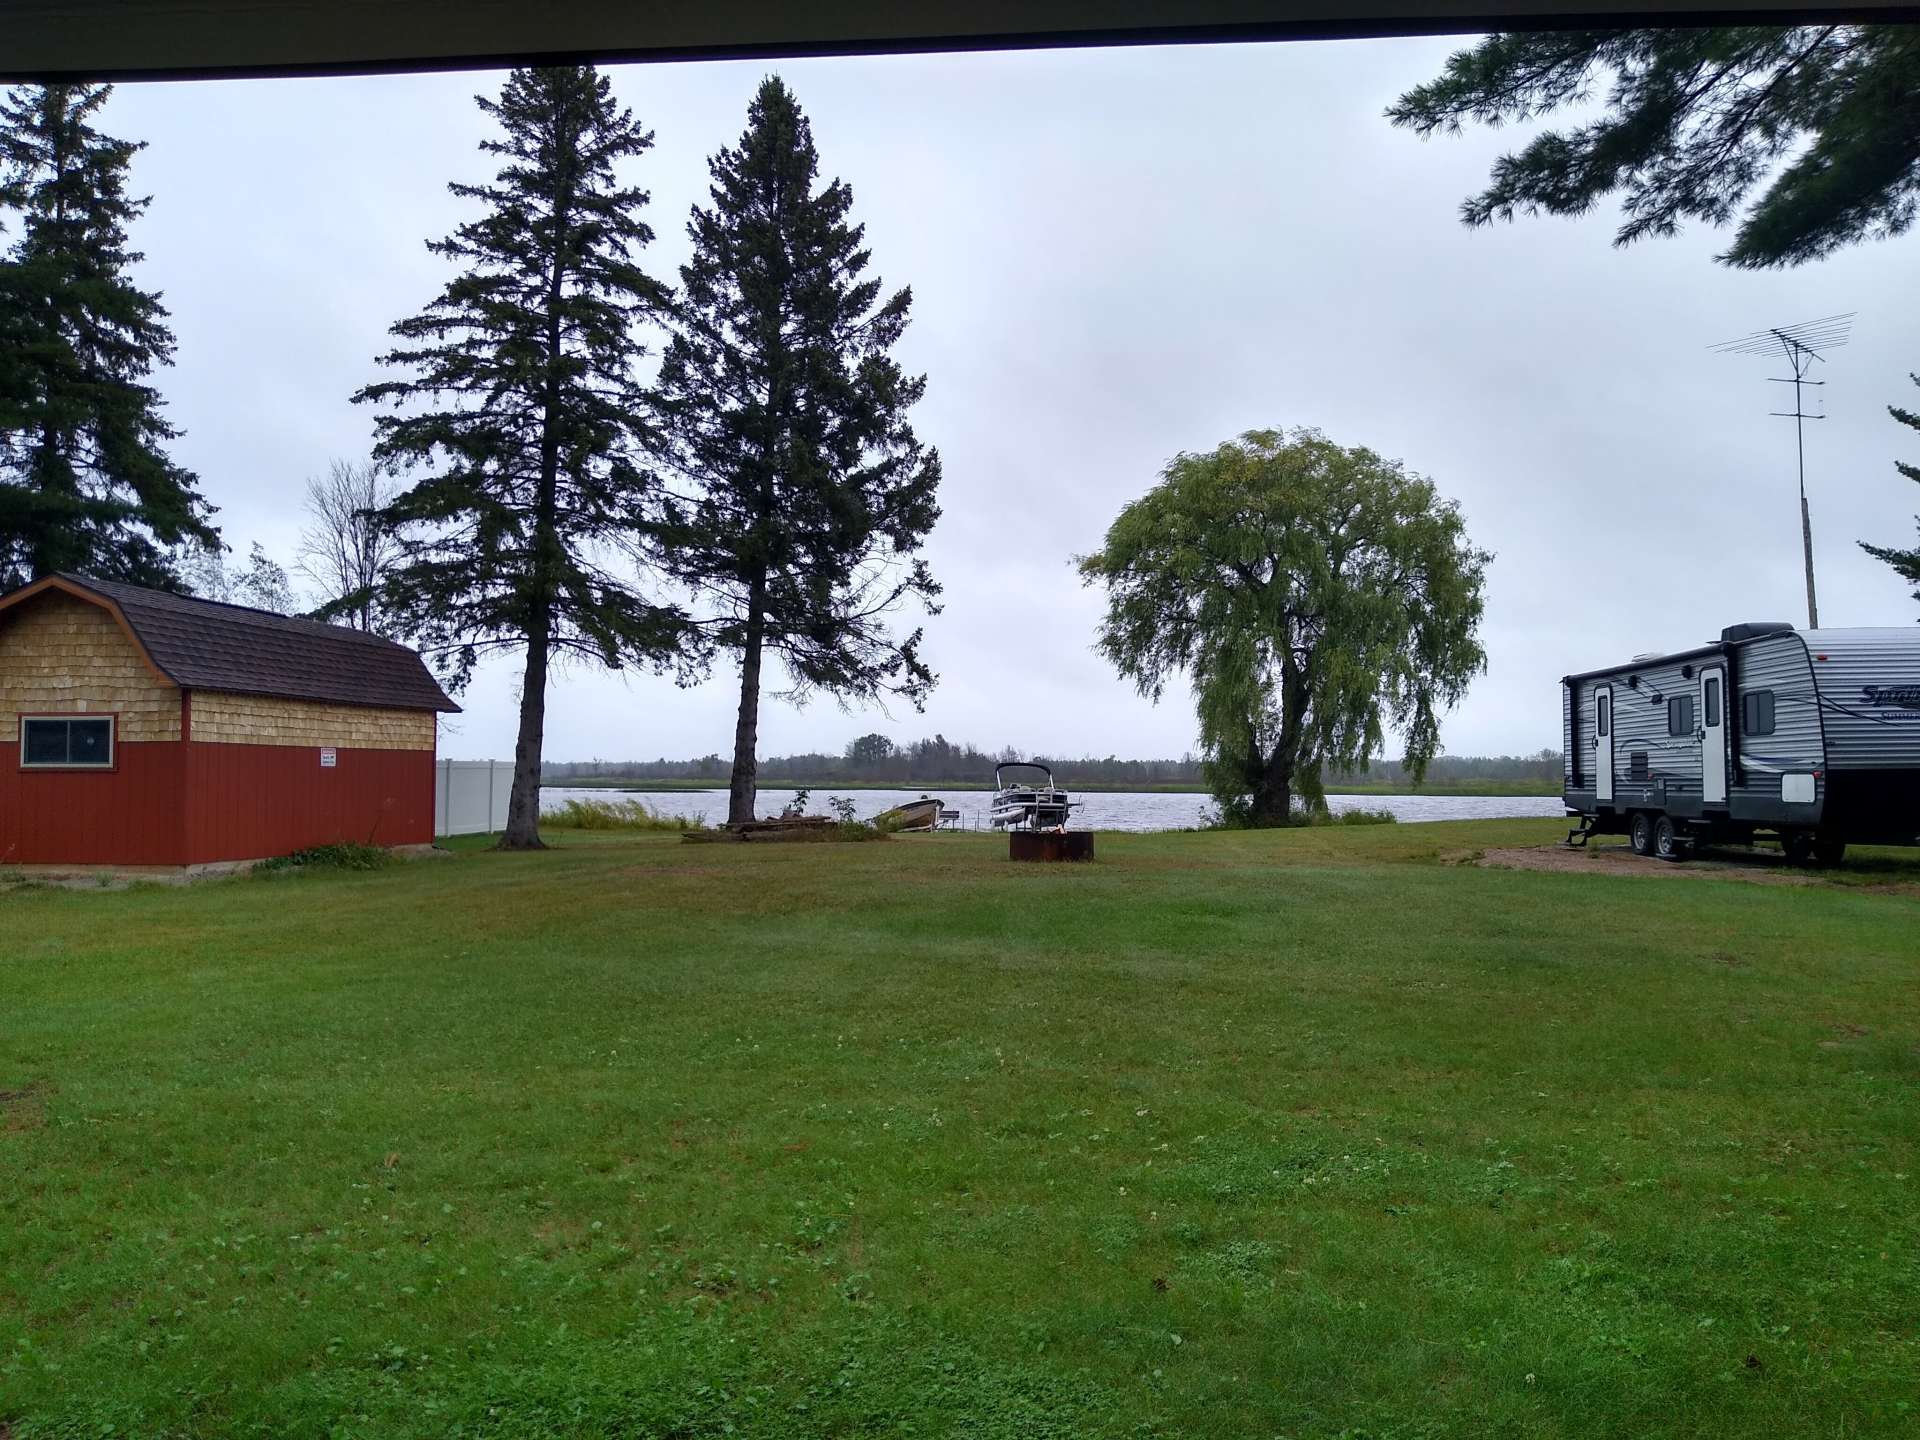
{"type": "Point", "coordinates": [1541, 765]}
{"type": "Point", "coordinates": [876, 759]}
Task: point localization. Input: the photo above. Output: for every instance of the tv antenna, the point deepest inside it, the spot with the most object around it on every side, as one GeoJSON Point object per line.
{"type": "Point", "coordinates": [1804, 345]}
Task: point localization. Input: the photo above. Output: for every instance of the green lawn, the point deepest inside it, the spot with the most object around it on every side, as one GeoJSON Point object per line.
{"type": "Point", "coordinates": [1317, 1133]}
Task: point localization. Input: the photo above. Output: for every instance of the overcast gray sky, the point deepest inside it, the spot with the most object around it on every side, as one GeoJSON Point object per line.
{"type": "Point", "coordinates": [1115, 256]}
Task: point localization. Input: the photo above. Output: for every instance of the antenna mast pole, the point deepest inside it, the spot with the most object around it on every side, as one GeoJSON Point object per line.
{"type": "Point", "coordinates": [1802, 345]}
{"type": "Point", "coordinates": [1799, 358]}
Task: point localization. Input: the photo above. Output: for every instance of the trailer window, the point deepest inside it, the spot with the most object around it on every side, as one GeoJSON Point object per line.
{"type": "Point", "coordinates": [1680, 715]}
{"type": "Point", "coordinates": [52, 743]}
{"type": "Point", "coordinates": [1756, 712]}
{"type": "Point", "coordinates": [1710, 697]}
{"type": "Point", "coordinates": [1604, 714]}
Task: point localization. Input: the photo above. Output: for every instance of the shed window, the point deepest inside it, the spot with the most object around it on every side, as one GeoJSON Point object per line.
{"type": "Point", "coordinates": [1756, 712]}
{"type": "Point", "coordinates": [1680, 715]}
{"type": "Point", "coordinates": [66, 742]}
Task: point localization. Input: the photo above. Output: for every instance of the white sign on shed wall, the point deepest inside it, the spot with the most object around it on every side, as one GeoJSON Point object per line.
{"type": "Point", "coordinates": [329, 758]}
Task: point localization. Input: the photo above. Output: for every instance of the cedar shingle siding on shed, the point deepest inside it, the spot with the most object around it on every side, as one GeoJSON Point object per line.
{"type": "Point", "coordinates": [237, 733]}
{"type": "Point", "coordinates": [267, 720]}
{"type": "Point", "coordinates": [62, 655]}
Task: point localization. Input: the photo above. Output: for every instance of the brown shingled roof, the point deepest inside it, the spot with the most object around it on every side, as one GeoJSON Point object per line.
{"type": "Point", "coordinates": [207, 645]}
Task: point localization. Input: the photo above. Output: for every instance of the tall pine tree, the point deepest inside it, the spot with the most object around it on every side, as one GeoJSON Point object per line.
{"type": "Point", "coordinates": [1818, 123]}
{"type": "Point", "coordinates": [85, 481]}
{"type": "Point", "coordinates": [783, 411]}
{"type": "Point", "coordinates": [1906, 562]}
{"type": "Point", "coordinates": [521, 405]}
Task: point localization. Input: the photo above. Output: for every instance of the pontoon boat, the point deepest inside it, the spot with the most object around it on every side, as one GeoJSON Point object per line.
{"type": "Point", "coordinates": [1020, 803]}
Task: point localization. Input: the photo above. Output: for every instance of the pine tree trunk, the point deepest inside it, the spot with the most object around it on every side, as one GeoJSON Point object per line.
{"type": "Point", "coordinates": [44, 555]}
{"type": "Point", "coordinates": [742, 789]}
{"type": "Point", "coordinates": [523, 801]}
{"type": "Point", "coordinates": [56, 550]}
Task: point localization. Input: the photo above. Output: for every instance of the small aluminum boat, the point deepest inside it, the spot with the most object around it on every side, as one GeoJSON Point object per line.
{"type": "Point", "coordinates": [1021, 802]}
{"type": "Point", "coordinates": [921, 814]}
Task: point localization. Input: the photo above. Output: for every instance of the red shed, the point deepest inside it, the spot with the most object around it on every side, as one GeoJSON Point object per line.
{"type": "Point", "coordinates": [143, 728]}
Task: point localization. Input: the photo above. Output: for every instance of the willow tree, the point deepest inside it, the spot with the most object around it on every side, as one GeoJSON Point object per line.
{"type": "Point", "coordinates": [1316, 596]}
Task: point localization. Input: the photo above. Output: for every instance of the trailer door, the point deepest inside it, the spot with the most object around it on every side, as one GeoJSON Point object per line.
{"type": "Point", "coordinates": [1603, 742]}
{"type": "Point", "coordinates": [1713, 736]}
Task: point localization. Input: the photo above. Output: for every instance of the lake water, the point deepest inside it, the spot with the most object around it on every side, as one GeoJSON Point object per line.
{"type": "Point", "coordinates": [1096, 810]}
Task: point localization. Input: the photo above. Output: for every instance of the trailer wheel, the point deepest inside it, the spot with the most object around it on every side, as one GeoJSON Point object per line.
{"type": "Point", "coordinates": [1798, 847]}
{"type": "Point", "coordinates": [1640, 833]}
{"type": "Point", "coordinates": [1829, 852]}
{"type": "Point", "coordinates": [1668, 843]}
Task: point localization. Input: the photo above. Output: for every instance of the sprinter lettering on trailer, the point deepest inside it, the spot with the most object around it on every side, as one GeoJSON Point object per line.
{"type": "Point", "coordinates": [1902, 697]}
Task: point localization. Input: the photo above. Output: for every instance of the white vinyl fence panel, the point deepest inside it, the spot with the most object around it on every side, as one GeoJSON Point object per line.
{"type": "Point", "coordinates": [470, 796]}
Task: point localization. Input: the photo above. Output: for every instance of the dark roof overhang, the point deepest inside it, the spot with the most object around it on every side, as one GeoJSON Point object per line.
{"type": "Point", "coordinates": [171, 39]}
{"type": "Point", "coordinates": [207, 645]}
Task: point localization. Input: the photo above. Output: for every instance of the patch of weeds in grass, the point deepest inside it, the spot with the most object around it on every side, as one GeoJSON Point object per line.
{"type": "Point", "coordinates": [1113, 1239]}
{"type": "Point", "coordinates": [846, 823]}
{"type": "Point", "coordinates": [22, 1109]}
{"type": "Point", "coordinates": [848, 827]}
{"type": "Point", "coordinates": [1359, 815]}
{"type": "Point", "coordinates": [628, 815]}
{"type": "Point", "coordinates": [1250, 1262]}
{"type": "Point", "coordinates": [853, 831]}
{"type": "Point", "coordinates": [343, 856]}
{"type": "Point", "coordinates": [1229, 819]}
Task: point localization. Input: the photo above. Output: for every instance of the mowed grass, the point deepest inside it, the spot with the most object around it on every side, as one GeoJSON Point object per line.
{"type": "Point", "coordinates": [1317, 1133]}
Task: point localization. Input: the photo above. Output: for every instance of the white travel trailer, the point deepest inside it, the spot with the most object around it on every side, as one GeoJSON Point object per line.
{"type": "Point", "coordinates": [1811, 736]}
